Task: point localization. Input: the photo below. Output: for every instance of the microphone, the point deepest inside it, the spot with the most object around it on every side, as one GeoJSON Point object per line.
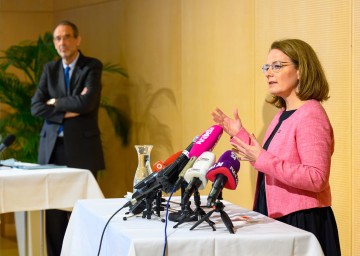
{"type": "Point", "coordinates": [156, 181]}
{"type": "Point", "coordinates": [196, 176]}
{"type": "Point", "coordinates": [223, 174]}
{"type": "Point", "coordinates": [159, 165]}
{"type": "Point", "coordinates": [7, 142]}
{"type": "Point", "coordinates": [206, 142]}
{"type": "Point", "coordinates": [171, 173]}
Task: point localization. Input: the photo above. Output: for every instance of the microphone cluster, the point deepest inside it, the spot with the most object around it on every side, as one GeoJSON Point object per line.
{"type": "Point", "coordinates": [195, 165]}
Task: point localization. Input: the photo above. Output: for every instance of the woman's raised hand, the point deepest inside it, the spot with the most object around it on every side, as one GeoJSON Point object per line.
{"type": "Point", "coordinates": [230, 126]}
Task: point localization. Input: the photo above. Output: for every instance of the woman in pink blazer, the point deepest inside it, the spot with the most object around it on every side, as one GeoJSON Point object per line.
{"type": "Point", "coordinates": [294, 161]}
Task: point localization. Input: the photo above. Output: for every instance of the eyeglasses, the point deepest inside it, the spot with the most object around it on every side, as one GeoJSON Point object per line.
{"type": "Point", "coordinates": [64, 38]}
{"type": "Point", "coordinates": [275, 66]}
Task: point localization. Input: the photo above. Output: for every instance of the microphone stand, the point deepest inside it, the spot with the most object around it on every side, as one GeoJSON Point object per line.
{"type": "Point", "coordinates": [197, 214]}
{"type": "Point", "coordinates": [149, 210]}
{"type": "Point", "coordinates": [175, 216]}
{"type": "Point", "coordinates": [186, 215]}
{"type": "Point", "coordinates": [158, 203]}
{"type": "Point", "coordinates": [218, 207]}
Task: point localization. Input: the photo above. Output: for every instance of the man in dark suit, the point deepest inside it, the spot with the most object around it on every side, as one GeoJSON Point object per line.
{"type": "Point", "coordinates": [68, 98]}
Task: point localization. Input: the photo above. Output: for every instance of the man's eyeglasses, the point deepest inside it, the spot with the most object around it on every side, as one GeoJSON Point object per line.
{"type": "Point", "coordinates": [275, 66]}
{"type": "Point", "coordinates": [64, 38]}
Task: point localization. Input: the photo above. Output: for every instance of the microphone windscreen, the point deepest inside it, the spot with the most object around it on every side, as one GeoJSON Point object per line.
{"type": "Point", "coordinates": [159, 165]}
{"type": "Point", "coordinates": [172, 158]}
{"type": "Point", "coordinates": [200, 168]}
{"type": "Point", "coordinates": [207, 141]}
{"type": "Point", "coordinates": [227, 165]}
{"type": "Point", "coordinates": [207, 158]}
{"type": "Point", "coordinates": [9, 140]}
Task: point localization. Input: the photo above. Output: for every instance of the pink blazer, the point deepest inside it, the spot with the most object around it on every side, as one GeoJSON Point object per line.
{"type": "Point", "coordinates": [297, 162]}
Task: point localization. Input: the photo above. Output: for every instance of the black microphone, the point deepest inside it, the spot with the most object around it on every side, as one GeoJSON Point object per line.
{"type": "Point", "coordinates": [7, 142]}
{"type": "Point", "coordinates": [170, 174]}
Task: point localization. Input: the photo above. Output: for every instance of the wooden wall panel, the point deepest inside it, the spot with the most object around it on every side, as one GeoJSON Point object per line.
{"type": "Point", "coordinates": [355, 131]}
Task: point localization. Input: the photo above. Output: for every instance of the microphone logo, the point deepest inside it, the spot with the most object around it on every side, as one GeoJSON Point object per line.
{"type": "Point", "coordinates": [234, 156]}
{"type": "Point", "coordinates": [234, 173]}
{"type": "Point", "coordinates": [206, 135]}
{"type": "Point", "coordinates": [218, 164]}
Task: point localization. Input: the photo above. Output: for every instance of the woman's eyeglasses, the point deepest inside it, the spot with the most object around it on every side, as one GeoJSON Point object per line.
{"type": "Point", "coordinates": [275, 66]}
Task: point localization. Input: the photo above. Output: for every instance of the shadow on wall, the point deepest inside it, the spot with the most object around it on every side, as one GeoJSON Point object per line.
{"type": "Point", "coordinates": [152, 110]}
{"type": "Point", "coordinates": [149, 111]}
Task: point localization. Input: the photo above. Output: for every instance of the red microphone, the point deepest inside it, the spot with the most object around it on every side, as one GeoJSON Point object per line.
{"type": "Point", "coordinates": [159, 165]}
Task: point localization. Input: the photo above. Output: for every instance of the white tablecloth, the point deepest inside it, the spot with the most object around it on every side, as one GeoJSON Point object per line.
{"type": "Point", "coordinates": [57, 188]}
{"type": "Point", "coordinates": [137, 236]}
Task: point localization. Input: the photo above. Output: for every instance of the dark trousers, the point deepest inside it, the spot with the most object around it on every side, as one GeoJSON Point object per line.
{"type": "Point", "coordinates": [56, 220]}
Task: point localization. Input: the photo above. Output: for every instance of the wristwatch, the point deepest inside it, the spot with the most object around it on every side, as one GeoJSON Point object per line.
{"type": "Point", "coordinates": [52, 101]}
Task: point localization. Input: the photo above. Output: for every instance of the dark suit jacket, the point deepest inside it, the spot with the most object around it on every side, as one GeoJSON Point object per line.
{"type": "Point", "coordinates": [81, 134]}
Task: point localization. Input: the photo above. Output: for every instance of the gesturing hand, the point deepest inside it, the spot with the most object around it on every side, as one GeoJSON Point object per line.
{"type": "Point", "coordinates": [245, 151]}
{"type": "Point", "coordinates": [230, 126]}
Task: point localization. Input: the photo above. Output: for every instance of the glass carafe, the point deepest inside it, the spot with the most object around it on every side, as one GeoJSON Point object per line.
{"type": "Point", "coordinates": [143, 169]}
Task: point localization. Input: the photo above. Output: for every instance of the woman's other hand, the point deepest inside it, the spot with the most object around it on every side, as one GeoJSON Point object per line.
{"type": "Point", "coordinates": [245, 151]}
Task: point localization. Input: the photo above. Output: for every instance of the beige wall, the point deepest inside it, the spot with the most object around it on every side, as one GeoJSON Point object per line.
{"type": "Point", "coordinates": [187, 57]}
{"type": "Point", "coordinates": [353, 185]}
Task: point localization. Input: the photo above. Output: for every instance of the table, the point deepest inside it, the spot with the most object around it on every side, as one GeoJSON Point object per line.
{"type": "Point", "coordinates": [40, 189]}
{"type": "Point", "coordinates": [259, 235]}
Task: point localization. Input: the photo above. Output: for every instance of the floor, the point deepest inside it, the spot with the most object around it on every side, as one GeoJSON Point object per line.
{"type": "Point", "coordinates": [8, 244]}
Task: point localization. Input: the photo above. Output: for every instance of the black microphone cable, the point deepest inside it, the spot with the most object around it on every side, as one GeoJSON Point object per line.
{"type": "Point", "coordinates": [107, 223]}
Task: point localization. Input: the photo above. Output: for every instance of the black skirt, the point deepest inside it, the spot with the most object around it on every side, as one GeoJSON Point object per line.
{"type": "Point", "coordinates": [319, 221]}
